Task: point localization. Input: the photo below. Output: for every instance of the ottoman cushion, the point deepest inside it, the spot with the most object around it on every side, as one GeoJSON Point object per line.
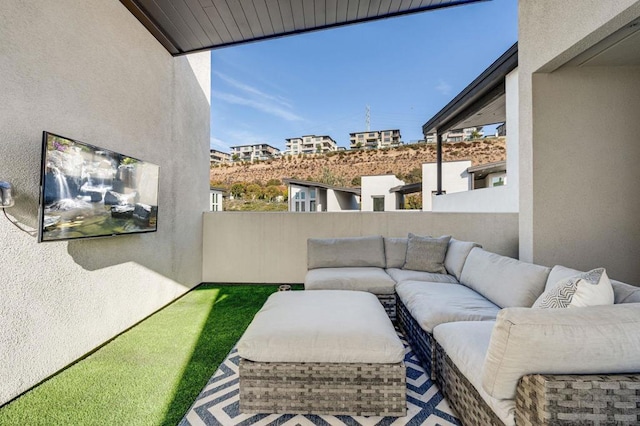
{"type": "Point", "coordinates": [373, 280]}
{"type": "Point", "coordinates": [328, 326]}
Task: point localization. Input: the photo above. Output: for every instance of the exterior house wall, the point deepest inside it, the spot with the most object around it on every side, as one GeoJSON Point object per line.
{"type": "Point", "coordinates": [585, 117]}
{"type": "Point", "coordinates": [379, 186]}
{"type": "Point", "coordinates": [454, 179]}
{"type": "Point", "coordinates": [90, 71]}
{"type": "Point", "coordinates": [549, 34]}
{"type": "Point", "coordinates": [280, 254]}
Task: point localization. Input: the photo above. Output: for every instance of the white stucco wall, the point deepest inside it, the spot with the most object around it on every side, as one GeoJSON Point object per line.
{"type": "Point", "coordinates": [379, 186]}
{"type": "Point", "coordinates": [90, 71]}
{"type": "Point", "coordinates": [578, 140]}
{"type": "Point", "coordinates": [552, 32]}
{"type": "Point", "coordinates": [454, 179]}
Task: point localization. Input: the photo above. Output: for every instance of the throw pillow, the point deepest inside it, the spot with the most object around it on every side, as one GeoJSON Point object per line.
{"type": "Point", "coordinates": [426, 254]}
{"type": "Point", "coordinates": [591, 288]}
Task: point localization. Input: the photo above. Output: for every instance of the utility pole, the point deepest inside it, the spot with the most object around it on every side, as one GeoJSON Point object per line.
{"type": "Point", "coordinates": [367, 118]}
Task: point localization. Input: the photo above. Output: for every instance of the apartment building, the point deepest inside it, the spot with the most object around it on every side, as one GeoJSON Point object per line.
{"type": "Point", "coordinates": [375, 139]}
{"type": "Point", "coordinates": [218, 157]}
{"type": "Point", "coordinates": [310, 144]}
{"type": "Point", "coordinates": [261, 151]}
{"type": "Point", "coordinates": [458, 135]}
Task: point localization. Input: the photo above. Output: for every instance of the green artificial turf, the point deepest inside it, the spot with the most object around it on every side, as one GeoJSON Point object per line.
{"type": "Point", "coordinates": [151, 374]}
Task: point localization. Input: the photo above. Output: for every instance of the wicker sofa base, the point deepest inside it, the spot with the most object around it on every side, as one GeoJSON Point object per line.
{"type": "Point", "coordinates": [547, 399]}
{"type": "Point", "coordinates": [420, 341]}
{"type": "Point", "coordinates": [578, 399]}
{"type": "Point", "coordinates": [460, 393]}
{"type": "Point", "coordinates": [388, 301]}
{"type": "Point", "coordinates": [323, 388]}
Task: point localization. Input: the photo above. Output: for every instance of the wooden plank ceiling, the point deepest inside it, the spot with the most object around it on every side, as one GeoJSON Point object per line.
{"type": "Point", "coordinates": [186, 26]}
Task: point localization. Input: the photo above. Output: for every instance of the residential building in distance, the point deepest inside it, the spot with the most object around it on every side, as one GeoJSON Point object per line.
{"type": "Point", "coordinates": [218, 157]}
{"type": "Point", "coordinates": [215, 199]}
{"type": "Point", "coordinates": [377, 195]}
{"type": "Point", "coordinates": [375, 139]}
{"type": "Point", "coordinates": [457, 135]}
{"type": "Point", "coordinates": [310, 144]}
{"type": "Point", "coordinates": [307, 196]}
{"type": "Point", "coordinates": [260, 151]}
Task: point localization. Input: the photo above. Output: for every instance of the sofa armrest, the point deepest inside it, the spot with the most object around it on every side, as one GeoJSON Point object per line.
{"type": "Point", "coordinates": [592, 340]}
{"type": "Point", "coordinates": [549, 400]}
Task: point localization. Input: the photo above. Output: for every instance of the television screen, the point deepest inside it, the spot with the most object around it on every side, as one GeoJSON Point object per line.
{"type": "Point", "coordinates": [87, 192]}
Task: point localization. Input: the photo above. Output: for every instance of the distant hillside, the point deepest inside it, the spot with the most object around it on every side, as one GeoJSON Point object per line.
{"type": "Point", "coordinates": [348, 166]}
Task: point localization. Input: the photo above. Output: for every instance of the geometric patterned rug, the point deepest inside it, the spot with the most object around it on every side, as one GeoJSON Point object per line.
{"type": "Point", "coordinates": [218, 404]}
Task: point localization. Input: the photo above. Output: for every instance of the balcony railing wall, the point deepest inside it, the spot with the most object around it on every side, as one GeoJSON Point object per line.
{"type": "Point", "coordinates": [256, 247]}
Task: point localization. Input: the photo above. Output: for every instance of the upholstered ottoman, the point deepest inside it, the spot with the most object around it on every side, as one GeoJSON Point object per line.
{"type": "Point", "coordinates": [322, 352]}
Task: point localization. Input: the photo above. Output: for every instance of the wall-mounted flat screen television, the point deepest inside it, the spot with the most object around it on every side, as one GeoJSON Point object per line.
{"type": "Point", "coordinates": [88, 192]}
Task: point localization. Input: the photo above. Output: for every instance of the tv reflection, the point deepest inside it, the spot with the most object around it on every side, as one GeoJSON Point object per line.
{"type": "Point", "coordinates": [93, 192]}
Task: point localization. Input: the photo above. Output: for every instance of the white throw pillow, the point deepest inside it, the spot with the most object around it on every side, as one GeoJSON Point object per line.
{"type": "Point", "coordinates": [591, 288]}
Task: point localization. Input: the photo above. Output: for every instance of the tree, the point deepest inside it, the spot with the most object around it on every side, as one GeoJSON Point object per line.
{"type": "Point", "coordinates": [356, 181]}
{"type": "Point", "coordinates": [274, 182]}
{"type": "Point", "coordinates": [235, 157]}
{"type": "Point", "coordinates": [272, 192]}
{"type": "Point", "coordinates": [238, 189]}
{"type": "Point", "coordinates": [254, 191]}
{"type": "Point", "coordinates": [475, 135]}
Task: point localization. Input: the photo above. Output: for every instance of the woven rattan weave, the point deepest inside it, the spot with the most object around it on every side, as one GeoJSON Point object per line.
{"type": "Point", "coordinates": [323, 388]}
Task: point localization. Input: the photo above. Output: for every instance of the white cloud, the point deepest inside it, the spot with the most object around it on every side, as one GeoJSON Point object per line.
{"type": "Point", "coordinates": [260, 105]}
{"type": "Point", "coordinates": [218, 144]}
{"type": "Point", "coordinates": [443, 87]}
{"type": "Point", "coordinates": [253, 90]}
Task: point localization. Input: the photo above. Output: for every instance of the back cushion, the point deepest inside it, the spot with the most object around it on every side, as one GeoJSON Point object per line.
{"type": "Point", "coordinates": [456, 256]}
{"type": "Point", "coordinates": [345, 252]}
{"type": "Point", "coordinates": [505, 281]}
{"type": "Point", "coordinates": [623, 293]}
{"type": "Point", "coordinates": [395, 251]}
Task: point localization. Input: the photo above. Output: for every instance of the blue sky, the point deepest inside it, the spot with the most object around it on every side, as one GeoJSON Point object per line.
{"type": "Point", "coordinates": [405, 69]}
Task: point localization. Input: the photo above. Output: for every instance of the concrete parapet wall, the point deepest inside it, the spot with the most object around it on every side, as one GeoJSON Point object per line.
{"type": "Point", "coordinates": [256, 247]}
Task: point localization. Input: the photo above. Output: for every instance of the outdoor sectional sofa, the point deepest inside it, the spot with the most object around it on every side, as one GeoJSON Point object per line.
{"type": "Point", "coordinates": [496, 359]}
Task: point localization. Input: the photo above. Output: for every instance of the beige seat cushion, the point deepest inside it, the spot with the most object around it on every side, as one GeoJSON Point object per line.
{"type": "Point", "coordinates": [591, 340]}
{"type": "Point", "coordinates": [345, 252]}
{"type": "Point", "coordinates": [432, 304]}
{"type": "Point", "coordinates": [456, 256]}
{"type": "Point", "coordinates": [321, 326]}
{"type": "Point", "coordinates": [372, 280]}
{"type": "Point", "coordinates": [505, 281]}
{"type": "Point", "coordinates": [466, 343]}
{"type": "Point", "coordinates": [400, 275]}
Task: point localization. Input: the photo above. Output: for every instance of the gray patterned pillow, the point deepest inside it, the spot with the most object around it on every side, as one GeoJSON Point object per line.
{"type": "Point", "coordinates": [426, 254]}
{"type": "Point", "coordinates": [587, 289]}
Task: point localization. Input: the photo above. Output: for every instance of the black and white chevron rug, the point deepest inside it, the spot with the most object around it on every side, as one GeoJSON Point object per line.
{"type": "Point", "coordinates": [218, 403]}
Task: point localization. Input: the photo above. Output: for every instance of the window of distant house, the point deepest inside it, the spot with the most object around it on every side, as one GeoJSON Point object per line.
{"type": "Point", "coordinates": [372, 135]}
{"type": "Point", "coordinates": [378, 204]}
{"type": "Point", "coordinates": [360, 136]}
{"type": "Point", "coordinates": [387, 139]}
{"type": "Point", "coordinates": [214, 202]}
{"type": "Point", "coordinates": [498, 181]}
{"type": "Point", "coordinates": [312, 200]}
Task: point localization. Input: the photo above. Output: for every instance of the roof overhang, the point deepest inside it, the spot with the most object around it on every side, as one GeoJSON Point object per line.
{"type": "Point", "coordinates": [187, 26]}
{"type": "Point", "coordinates": [481, 103]}
{"type": "Point", "coordinates": [483, 170]}
{"type": "Point", "coordinates": [311, 184]}
{"type": "Point", "coordinates": [410, 188]}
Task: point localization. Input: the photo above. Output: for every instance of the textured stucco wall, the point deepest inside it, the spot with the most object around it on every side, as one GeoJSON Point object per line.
{"type": "Point", "coordinates": [550, 33]}
{"type": "Point", "coordinates": [90, 71]}
{"type": "Point", "coordinates": [585, 183]}
{"type": "Point", "coordinates": [269, 247]}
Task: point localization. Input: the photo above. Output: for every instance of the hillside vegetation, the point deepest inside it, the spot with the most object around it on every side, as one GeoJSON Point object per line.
{"type": "Point", "coordinates": [346, 167]}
